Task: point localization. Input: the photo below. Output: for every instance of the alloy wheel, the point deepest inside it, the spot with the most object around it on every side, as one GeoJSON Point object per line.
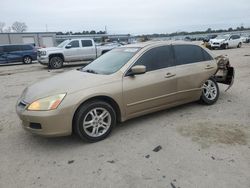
{"type": "Point", "coordinates": [97, 122]}
{"type": "Point", "coordinates": [210, 90]}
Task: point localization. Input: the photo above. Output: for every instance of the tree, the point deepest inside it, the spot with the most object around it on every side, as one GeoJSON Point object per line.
{"type": "Point", "coordinates": [92, 32]}
{"type": "Point", "coordinates": [230, 29]}
{"type": "Point", "coordinates": [19, 27]}
{"type": "Point", "coordinates": [209, 30]}
{"type": "Point", "coordinates": [2, 25]}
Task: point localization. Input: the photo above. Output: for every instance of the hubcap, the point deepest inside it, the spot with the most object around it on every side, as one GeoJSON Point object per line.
{"type": "Point", "coordinates": [97, 122]}
{"type": "Point", "coordinates": [27, 60]}
{"type": "Point", "coordinates": [56, 62]}
{"type": "Point", "coordinates": [210, 90]}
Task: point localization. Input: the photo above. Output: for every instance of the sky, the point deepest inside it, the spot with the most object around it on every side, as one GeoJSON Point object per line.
{"type": "Point", "coordinates": [126, 16]}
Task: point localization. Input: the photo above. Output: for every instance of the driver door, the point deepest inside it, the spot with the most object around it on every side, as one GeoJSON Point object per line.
{"type": "Point", "coordinates": [152, 90]}
{"type": "Point", "coordinates": [72, 51]}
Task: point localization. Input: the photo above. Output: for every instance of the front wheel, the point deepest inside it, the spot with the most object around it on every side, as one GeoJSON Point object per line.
{"type": "Point", "coordinates": [210, 92]}
{"type": "Point", "coordinates": [27, 60]}
{"type": "Point", "coordinates": [94, 121]}
{"type": "Point", "coordinates": [56, 62]}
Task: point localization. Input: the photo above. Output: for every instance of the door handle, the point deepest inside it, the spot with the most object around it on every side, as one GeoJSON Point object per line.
{"type": "Point", "coordinates": [209, 67]}
{"type": "Point", "coordinates": [169, 75]}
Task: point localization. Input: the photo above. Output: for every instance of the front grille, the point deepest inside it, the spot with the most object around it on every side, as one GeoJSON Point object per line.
{"type": "Point", "coordinates": [216, 43]}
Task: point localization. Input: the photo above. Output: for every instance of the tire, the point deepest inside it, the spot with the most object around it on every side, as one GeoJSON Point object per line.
{"type": "Point", "coordinates": [27, 60]}
{"type": "Point", "coordinates": [239, 45]}
{"type": "Point", "coordinates": [88, 123]}
{"type": "Point", "coordinates": [56, 62]}
{"type": "Point", "coordinates": [225, 46]}
{"type": "Point", "coordinates": [210, 92]}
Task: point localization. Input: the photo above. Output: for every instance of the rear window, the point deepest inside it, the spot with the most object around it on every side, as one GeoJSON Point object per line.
{"type": "Point", "coordinates": [86, 43]}
{"type": "Point", "coordinates": [26, 47]}
{"type": "Point", "coordinates": [186, 54]}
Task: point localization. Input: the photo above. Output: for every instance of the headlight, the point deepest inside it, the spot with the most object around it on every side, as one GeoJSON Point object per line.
{"type": "Point", "coordinates": [48, 103]}
{"type": "Point", "coordinates": [43, 53]}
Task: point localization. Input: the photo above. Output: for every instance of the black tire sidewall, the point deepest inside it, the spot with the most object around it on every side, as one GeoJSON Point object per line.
{"type": "Point", "coordinates": [204, 99]}
{"type": "Point", "coordinates": [82, 112]}
{"type": "Point", "coordinates": [51, 64]}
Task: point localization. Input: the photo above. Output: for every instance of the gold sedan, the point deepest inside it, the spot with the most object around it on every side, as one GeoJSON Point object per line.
{"type": "Point", "coordinates": [124, 83]}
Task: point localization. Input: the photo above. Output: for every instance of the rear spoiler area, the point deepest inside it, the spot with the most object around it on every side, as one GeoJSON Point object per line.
{"type": "Point", "coordinates": [225, 72]}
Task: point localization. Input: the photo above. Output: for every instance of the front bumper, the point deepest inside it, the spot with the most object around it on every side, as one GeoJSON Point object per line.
{"type": "Point", "coordinates": [43, 60]}
{"type": "Point", "coordinates": [48, 123]}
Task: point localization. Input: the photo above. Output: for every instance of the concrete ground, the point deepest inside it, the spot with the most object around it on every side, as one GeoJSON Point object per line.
{"type": "Point", "coordinates": [195, 145]}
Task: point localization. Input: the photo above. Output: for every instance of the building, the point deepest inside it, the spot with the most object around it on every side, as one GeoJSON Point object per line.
{"type": "Point", "coordinates": [42, 39]}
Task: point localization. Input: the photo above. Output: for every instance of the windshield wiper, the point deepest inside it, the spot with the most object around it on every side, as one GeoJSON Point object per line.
{"type": "Point", "coordinates": [90, 71]}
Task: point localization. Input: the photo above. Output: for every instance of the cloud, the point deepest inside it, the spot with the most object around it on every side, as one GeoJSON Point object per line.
{"type": "Point", "coordinates": [130, 16]}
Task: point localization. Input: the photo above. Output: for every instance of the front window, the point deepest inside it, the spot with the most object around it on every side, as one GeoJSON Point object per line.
{"type": "Point", "coordinates": [61, 45]}
{"type": "Point", "coordinates": [111, 61]}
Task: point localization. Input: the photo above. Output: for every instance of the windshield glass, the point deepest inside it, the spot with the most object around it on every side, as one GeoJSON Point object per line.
{"type": "Point", "coordinates": [222, 37]}
{"type": "Point", "coordinates": [111, 61]}
{"type": "Point", "coordinates": [61, 45]}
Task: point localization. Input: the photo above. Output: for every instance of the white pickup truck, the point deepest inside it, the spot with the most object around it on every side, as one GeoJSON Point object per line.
{"type": "Point", "coordinates": [71, 50]}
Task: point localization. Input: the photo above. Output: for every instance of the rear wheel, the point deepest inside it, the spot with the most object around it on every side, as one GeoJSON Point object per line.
{"type": "Point", "coordinates": [56, 62]}
{"type": "Point", "coordinates": [239, 45]}
{"type": "Point", "coordinates": [210, 92]}
{"type": "Point", "coordinates": [27, 60]}
{"type": "Point", "coordinates": [94, 121]}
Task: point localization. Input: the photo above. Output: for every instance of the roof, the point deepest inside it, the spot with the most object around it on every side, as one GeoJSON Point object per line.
{"type": "Point", "coordinates": [152, 43]}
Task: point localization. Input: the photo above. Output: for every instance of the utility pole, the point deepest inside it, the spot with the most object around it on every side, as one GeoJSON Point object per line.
{"type": "Point", "coordinates": [106, 31]}
{"type": "Point", "coordinates": [46, 26]}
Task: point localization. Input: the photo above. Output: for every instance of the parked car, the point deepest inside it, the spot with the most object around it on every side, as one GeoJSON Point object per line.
{"type": "Point", "coordinates": [17, 53]}
{"type": "Point", "coordinates": [124, 83]}
{"type": "Point", "coordinates": [226, 41]}
{"type": "Point", "coordinates": [209, 37]}
{"type": "Point", "coordinates": [71, 50]}
{"type": "Point", "coordinates": [245, 38]}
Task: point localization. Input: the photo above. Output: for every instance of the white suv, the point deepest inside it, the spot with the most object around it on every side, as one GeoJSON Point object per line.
{"type": "Point", "coordinates": [226, 41]}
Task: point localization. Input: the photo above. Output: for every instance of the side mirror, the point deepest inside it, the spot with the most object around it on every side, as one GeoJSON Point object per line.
{"type": "Point", "coordinates": [68, 46]}
{"type": "Point", "coordinates": [137, 69]}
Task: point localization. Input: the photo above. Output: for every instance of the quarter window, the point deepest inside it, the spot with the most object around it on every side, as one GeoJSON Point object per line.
{"type": "Point", "coordinates": [74, 44]}
{"type": "Point", "coordinates": [185, 54]}
{"type": "Point", "coordinates": [86, 43]}
{"type": "Point", "coordinates": [157, 58]}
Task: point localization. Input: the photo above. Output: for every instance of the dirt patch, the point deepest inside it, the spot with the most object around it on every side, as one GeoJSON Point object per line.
{"type": "Point", "coordinates": [207, 134]}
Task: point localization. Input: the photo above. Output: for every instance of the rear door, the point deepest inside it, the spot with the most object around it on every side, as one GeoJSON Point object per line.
{"type": "Point", "coordinates": [154, 89]}
{"type": "Point", "coordinates": [13, 53]}
{"type": "Point", "coordinates": [3, 57]}
{"type": "Point", "coordinates": [193, 67]}
{"type": "Point", "coordinates": [88, 50]}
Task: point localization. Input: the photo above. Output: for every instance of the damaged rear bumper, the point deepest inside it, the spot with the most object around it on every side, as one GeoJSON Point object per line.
{"type": "Point", "coordinates": [225, 72]}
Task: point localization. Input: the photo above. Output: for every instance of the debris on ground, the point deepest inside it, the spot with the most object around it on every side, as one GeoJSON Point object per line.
{"type": "Point", "coordinates": [158, 148]}
{"type": "Point", "coordinates": [147, 156]}
{"type": "Point", "coordinates": [112, 161]}
{"type": "Point", "coordinates": [71, 161]}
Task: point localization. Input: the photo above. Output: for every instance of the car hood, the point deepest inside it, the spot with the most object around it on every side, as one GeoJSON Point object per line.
{"type": "Point", "coordinates": [50, 49]}
{"type": "Point", "coordinates": [69, 82]}
{"type": "Point", "coordinates": [217, 40]}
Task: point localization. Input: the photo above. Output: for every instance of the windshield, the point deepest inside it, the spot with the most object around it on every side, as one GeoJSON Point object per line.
{"type": "Point", "coordinates": [111, 61]}
{"type": "Point", "coordinates": [61, 45]}
{"type": "Point", "coordinates": [222, 37]}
